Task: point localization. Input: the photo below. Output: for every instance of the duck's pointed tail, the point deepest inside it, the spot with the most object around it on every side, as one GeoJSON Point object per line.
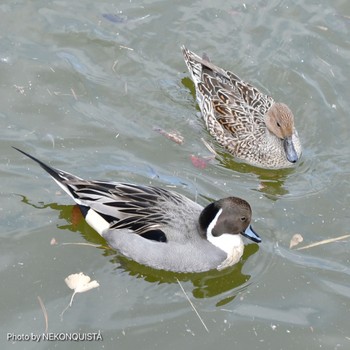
{"type": "Point", "coordinates": [70, 184]}
{"type": "Point", "coordinates": [60, 177]}
{"type": "Point", "coordinates": [194, 64]}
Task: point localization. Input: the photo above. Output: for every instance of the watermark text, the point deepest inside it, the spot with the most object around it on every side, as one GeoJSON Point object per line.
{"type": "Point", "coordinates": [51, 336]}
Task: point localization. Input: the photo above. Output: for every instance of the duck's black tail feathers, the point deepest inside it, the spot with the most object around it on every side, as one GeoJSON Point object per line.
{"type": "Point", "coordinates": [72, 184]}
{"type": "Point", "coordinates": [61, 177]}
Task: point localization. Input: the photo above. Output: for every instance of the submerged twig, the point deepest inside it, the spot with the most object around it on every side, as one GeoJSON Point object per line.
{"type": "Point", "coordinates": [45, 314]}
{"type": "Point", "coordinates": [325, 241]}
{"type": "Point", "coordinates": [114, 65]}
{"type": "Point", "coordinates": [209, 147]}
{"type": "Point", "coordinates": [81, 243]}
{"type": "Point", "coordinates": [74, 94]}
{"type": "Point", "coordinates": [87, 244]}
{"type": "Point", "coordinates": [171, 135]}
{"type": "Point", "coordinates": [126, 47]}
{"type": "Point", "coordinates": [193, 307]}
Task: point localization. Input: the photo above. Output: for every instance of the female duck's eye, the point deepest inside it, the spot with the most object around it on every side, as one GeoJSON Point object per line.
{"type": "Point", "coordinates": [243, 218]}
{"type": "Point", "coordinates": [278, 124]}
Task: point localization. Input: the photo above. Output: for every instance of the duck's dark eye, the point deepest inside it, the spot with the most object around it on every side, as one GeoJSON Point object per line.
{"type": "Point", "coordinates": [278, 124]}
{"type": "Point", "coordinates": [243, 218]}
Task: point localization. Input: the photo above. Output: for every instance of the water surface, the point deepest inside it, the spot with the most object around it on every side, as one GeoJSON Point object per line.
{"type": "Point", "coordinates": [85, 84]}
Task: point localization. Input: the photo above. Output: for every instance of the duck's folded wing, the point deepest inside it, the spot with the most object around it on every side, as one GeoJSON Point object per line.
{"type": "Point", "coordinates": [126, 206]}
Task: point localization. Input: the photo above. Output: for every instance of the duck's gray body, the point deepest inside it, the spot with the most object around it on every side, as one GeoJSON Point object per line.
{"type": "Point", "coordinates": [193, 255]}
{"type": "Point", "coordinates": [186, 248]}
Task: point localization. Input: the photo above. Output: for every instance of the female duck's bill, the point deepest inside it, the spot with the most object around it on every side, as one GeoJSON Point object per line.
{"type": "Point", "coordinates": [289, 148]}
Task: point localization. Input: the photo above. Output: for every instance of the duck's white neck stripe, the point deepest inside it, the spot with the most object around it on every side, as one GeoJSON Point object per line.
{"type": "Point", "coordinates": [226, 242]}
{"type": "Point", "coordinates": [212, 225]}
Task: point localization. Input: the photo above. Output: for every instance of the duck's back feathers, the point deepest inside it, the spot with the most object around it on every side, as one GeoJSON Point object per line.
{"type": "Point", "coordinates": [145, 210]}
{"type": "Point", "coordinates": [228, 87]}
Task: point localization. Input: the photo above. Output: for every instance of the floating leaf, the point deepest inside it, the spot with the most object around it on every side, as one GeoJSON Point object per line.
{"type": "Point", "coordinates": [79, 283]}
{"type": "Point", "coordinates": [296, 239]}
{"type": "Point", "coordinates": [200, 163]}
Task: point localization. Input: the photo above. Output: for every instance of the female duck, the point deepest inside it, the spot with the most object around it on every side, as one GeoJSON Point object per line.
{"type": "Point", "coordinates": [160, 228]}
{"type": "Point", "coordinates": [249, 124]}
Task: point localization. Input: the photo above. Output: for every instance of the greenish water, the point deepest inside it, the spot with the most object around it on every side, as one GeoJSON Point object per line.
{"type": "Point", "coordinates": [84, 85]}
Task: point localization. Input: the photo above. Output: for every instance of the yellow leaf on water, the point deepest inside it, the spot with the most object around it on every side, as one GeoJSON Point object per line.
{"type": "Point", "coordinates": [296, 239]}
{"type": "Point", "coordinates": [79, 283]}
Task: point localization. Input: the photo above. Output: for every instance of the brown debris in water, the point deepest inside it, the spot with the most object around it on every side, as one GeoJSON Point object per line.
{"type": "Point", "coordinates": [171, 135]}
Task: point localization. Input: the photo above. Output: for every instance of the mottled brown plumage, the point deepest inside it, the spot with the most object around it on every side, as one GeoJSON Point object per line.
{"type": "Point", "coordinates": [248, 123]}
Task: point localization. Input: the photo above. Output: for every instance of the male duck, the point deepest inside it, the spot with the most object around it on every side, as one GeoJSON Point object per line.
{"type": "Point", "coordinates": [160, 228]}
{"type": "Point", "coordinates": [249, 124]}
